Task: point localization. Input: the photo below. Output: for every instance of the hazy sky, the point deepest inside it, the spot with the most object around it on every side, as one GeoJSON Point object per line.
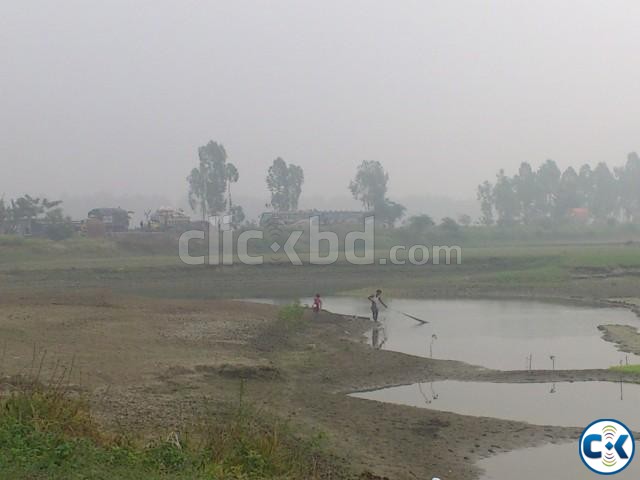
{"type": "Point", "coordinates": [118, 95]}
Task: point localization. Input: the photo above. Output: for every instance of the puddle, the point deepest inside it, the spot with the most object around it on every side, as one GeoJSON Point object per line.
{"type": "Point", "coordinates": [574, 404]}
{"type": "Point", "coordinates": [505, 335]}
{"type": "Point", "coordinates": [556, 462]}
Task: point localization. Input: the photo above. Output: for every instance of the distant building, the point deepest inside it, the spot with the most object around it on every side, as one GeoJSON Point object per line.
{"type": "Point", "coordinates": [112, 219]}
{"type": "Point", "coordinates": [167, 218]}
{"type": "Point", "coordinates": [581, 215]}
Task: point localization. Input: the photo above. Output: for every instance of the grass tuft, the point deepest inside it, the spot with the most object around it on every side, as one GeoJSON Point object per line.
{"type": "Point", "coordinates": [633, 369]}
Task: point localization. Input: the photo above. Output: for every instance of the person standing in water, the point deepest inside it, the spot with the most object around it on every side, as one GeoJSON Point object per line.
{"type": "Point", "coordinates": [376, 301]}
{"type": "Point", "coordinates": [317, 303]}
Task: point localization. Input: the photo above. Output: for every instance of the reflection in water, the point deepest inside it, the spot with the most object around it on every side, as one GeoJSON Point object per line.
{"type": "Point", "coordinates": [566, 404]}
{"type": "Point", "coordinates": [378, 336]}
{"type": "Point", "coordinates": [428, 398]}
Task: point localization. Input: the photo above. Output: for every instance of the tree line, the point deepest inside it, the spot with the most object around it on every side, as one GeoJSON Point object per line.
{"type": "Point", "coordinates": [210, 186]}
{"type": "Point", "coordinates": [25, 214]}
{"type": "Point", "coordinates": [548, 195]}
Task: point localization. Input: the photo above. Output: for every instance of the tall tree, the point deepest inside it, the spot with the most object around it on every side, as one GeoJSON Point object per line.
{"type": "Point", "coordinates": [548, 181]}
{"type": "Point", "coordinates": [285, 184]}
{"type": "Point", "coordinates": [208, 182]}
{"type": "Point", "coordinates": [605, 195]}
{"type": "Point", "coordinates": [628, 178]}
{"type": "Point", "coordinates": [585, 186]}
{"type": "Point", "coordinates": [296, 179]}
{"type": "Point", "coordinates": [278, 184]}
{"type": "Point", "coordinates": [506, 200]}
{"type": "Point", "coordinates": [568, 196]}
{"type": "Point", "coordinates": [525, 187]}
{"type": "Point", "coordinates": [485, 197]}
{"type": "Point", "coordinates": [370, 184]}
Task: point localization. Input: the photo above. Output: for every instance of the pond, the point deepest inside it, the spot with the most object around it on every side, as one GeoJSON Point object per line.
{"type": "Point", "coordinates": [567, 404]}
{"type": "Point", "coordinates": [551, 461]}
{"type": "Point", "coordinates": [505, 335]}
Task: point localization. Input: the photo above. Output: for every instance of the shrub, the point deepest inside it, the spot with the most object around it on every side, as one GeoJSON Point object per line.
{"type": "Point", "coordinates": [59, 231]}
{"type": "Point", "coordinates": [291, 313]}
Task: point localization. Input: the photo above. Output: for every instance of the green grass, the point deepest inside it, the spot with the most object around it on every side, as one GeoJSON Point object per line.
{"type": "Point", "coordinates": [633, 369]}
{"type": "Point", "coordinates": [546, 275]}
{"type": "Point", "coordinates": [45, 433]}
{"type": "Point", "coordinates": [551, 269]}
{"type": "Point", "coordinates": [291, 314]}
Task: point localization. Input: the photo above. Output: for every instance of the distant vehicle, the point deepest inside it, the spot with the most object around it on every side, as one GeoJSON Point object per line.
{"type": "Point", "coordinates": [167, 218]}
{"type": "Point", "coordinates": [113, 219]}
{"type": "Point", "coordinates": [326, 217]}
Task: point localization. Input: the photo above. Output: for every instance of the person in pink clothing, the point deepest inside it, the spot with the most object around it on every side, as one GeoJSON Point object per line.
{"type": "Point", "coordinates": [317, 303]}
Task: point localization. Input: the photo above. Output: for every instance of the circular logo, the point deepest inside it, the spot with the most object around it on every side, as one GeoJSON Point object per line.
{"type": "Point", "coordinates": [607, 446]}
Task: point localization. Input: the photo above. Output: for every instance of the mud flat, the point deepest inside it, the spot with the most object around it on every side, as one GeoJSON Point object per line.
{"type": "Point", "coordinates": [626, 337]}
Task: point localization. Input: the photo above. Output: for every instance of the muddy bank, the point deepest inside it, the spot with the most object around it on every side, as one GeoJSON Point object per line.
{"type": "Point", "coordinates": [627, 338]}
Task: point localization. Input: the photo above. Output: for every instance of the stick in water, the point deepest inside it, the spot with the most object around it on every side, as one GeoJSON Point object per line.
{"type": "Point", "coordinates": [423, 322]}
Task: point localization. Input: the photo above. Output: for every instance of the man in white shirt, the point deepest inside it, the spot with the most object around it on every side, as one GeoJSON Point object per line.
{"type": "Point", "coordinates": [376, 301]}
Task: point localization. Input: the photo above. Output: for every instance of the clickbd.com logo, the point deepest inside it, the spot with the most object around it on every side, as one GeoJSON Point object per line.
{"type": "Point", "coordinates": [607, 447]}
{"type": "Point", "coordinates": [226, 246]}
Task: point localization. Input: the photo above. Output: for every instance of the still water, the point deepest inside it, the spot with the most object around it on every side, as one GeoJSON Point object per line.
{"type": "Point", "coordinates": [553, 462]}
{"type": "Point", "coordinates": [505, 335]}
{"type": "Point", "coordinates": [574, 404]}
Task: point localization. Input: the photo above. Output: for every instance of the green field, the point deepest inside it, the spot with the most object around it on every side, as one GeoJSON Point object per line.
{"type": "Point", "coordinates": [585, 270]}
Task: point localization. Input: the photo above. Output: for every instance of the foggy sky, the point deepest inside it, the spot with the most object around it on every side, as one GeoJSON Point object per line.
{"type": "Point", "coordinates": [116, 96]}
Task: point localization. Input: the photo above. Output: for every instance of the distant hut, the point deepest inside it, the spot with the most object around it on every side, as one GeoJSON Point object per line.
{"type": "Point", "coordinates": [113, 219]}
{"type": "Point", "coordinates": [167, 218]}
{"type": "Point", "coordinates": [580, 215]}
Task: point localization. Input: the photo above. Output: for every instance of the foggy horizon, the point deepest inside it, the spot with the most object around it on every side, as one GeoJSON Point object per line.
{"type": "Point", "coordinates": [117, 99]}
